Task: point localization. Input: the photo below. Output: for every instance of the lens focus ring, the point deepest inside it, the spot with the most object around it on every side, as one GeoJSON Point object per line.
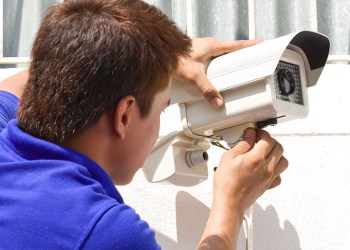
{"type": "Point", "coordinates": [286, 82]}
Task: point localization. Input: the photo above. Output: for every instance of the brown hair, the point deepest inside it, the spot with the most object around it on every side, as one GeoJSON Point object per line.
{"type": "Point", "coordinates": [87, 55]}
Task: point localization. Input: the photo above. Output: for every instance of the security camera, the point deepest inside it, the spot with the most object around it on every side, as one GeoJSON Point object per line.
{"type": "Point", "coordinates": [262, 85]}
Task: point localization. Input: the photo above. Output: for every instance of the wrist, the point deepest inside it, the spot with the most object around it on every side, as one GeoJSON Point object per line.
{"type": "Point", "coordinates": [228, 208]}
{"type": "Point", "coordinates": [223, 226]}
{"type": "Point", "coordinates": [232, 202]}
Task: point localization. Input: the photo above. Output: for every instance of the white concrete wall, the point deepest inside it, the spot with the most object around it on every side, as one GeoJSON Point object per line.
{"type": "Point", "coordinates": [310, 210]}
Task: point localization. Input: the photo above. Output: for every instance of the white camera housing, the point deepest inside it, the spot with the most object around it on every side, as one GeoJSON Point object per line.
{"type": "Point", "coordinates": [262, 85]}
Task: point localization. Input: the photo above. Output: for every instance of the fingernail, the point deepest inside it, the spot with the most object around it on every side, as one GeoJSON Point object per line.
{"type": "Point", "coordinates": [217, 102]}
{"type": "Point", "coordinates": [248, 133]}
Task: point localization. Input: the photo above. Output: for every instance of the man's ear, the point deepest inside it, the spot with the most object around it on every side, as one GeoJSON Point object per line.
{"type": "Point", "coordinates": [124, 112]}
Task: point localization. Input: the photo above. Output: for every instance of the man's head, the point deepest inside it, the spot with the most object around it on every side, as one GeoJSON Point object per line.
{"type": "Point", "coordinates": [88, 55]}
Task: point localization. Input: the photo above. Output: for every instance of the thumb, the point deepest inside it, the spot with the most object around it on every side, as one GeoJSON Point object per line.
{"type": "Point", "coordinates": [246, 144]}
{"type": "Point", "coordinates": [209, 91]}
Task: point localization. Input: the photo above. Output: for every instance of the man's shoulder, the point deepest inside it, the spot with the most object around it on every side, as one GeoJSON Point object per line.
{"type": "Point", "coordinates": [52, 200]}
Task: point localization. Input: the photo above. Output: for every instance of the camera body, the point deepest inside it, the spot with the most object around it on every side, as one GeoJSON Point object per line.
{"type": "Point", "coordinates": [262, 85]}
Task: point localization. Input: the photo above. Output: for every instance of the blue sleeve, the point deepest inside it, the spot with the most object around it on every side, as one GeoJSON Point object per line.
{"type": "Point", "coordinates": [121, 228]}
{"type": "Point", "coordinates": [8, 108]}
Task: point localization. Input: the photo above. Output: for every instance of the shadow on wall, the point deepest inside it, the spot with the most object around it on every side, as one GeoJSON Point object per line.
{"type": "Point", "coordinates": [191, 217]}
{"type": "Point", "coordinates": [268, 233]}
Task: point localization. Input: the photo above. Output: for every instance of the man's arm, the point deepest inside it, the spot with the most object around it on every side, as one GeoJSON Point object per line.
{"type": "Point", "coordinates": [15, 84]}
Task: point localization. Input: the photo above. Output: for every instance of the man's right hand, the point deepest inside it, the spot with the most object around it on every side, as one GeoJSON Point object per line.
{"type": "Point", "coordinates": [249, 169]}
{"type": "Point", "coordinates": [244, 174]}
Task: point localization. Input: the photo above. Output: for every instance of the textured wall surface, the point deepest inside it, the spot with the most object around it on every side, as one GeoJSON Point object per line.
{"type": "Point", "coordinates": [310, 210]}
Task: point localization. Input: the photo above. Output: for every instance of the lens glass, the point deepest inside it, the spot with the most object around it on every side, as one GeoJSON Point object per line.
{"type": "Point", "coordinates": [287, 83]}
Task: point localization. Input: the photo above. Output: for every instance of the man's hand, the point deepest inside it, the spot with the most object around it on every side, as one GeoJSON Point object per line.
{"type": "Point", "coordinates": [244, 174]}
{"type": "Point", "coordinates": [193, 69]}
{"type": "Point", "coordinates": [249, 169]}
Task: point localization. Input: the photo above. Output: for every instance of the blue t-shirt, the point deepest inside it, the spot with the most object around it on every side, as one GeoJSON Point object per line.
{"type": "Point", "coordinates": [52, 197]}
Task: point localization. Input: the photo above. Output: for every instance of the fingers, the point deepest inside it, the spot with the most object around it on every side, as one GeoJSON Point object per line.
{"type": "Point", "coordinates": [250, 168]}
{"type": "Point", "coordinates": [193, 72]}
{"type": "Point", "coordinates": [264, 143]}
{"type": "Point", "coordinates": [278, 170]}
{"type": "Point", "coordinates": [193, 69]}
{"type": "Point", "coordinates": [276, 182]}
{"type": "Point", "coordinates": [275, 162]}
{"type": "Point", "coordinates": [208, 90]}
{"type": "Point", "coordinates": [280, 167]}
{"type": "Point", "coordinates": [245, 145]}
{"type": "Point", "coordinates": [218, 48]}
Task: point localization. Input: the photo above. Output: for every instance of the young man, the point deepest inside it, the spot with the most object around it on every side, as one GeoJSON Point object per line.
{"type": "Point", "coordinates": [97, 83]}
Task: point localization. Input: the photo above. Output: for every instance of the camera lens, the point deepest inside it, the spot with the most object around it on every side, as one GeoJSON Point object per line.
{"type": "Point", "coordinates": [286, 82]}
